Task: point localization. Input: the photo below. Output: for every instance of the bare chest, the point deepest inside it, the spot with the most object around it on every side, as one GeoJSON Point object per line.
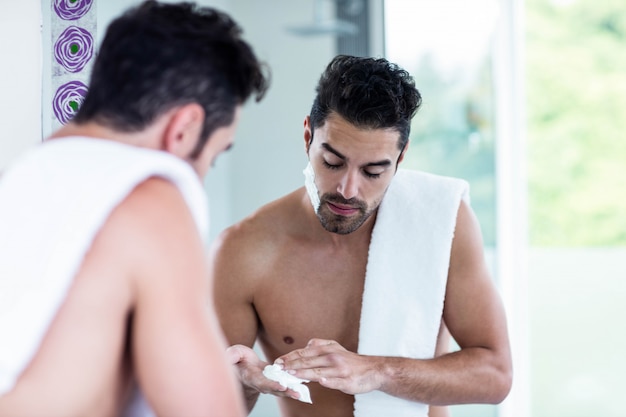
{"type": "Point", "coordinates": [311, 295]}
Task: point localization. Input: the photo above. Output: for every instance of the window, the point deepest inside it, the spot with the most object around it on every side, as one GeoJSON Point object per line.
{"type": "Point", "coordinates": [557, 254]}
{"type": "Point", "coordinates": [464, 60]}
{"type": "Point", "coordinates": [576, 88]}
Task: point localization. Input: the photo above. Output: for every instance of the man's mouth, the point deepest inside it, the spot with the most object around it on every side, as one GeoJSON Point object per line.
{"type": "Point", "coordinates": [342, 210]}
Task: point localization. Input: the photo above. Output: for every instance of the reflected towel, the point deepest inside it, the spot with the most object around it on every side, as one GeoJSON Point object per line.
{"type": "Point", "coordinates": [406, 278]}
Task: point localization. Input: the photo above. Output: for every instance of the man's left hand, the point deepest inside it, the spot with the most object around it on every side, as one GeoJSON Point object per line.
{"type": "Point", "coordinates": [332, 366]}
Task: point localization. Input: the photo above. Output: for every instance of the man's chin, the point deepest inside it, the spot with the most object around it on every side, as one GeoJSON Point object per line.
{"type": "Point", "coordinates": [340, 228]}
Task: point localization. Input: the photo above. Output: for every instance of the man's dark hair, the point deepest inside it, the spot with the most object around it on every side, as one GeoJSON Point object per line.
{"type": "Point", "coordinates": [367, 92]}
{"type": "Point", "coordinates": [159, 56]}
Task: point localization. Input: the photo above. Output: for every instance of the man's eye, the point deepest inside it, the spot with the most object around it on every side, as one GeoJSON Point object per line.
{"type": "Point", "coordinates": [371, 175]}
{"type": "Point", "coordinates": [331, 166]}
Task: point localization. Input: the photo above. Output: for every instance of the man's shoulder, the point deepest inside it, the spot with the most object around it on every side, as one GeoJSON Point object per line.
{"type": "Point", "coordinates": [424, 176]}
{"type": "Point", "coordinates": [426, 183]}
{"type": "Point", "coordinates": [152, 217]}
{"type": "Point", "coordinates": [264, 230]}
{"type": "Point", "coordinates": [277, 216]}
{"type": "Point", "coordinates": [149, 237]}
{"type": "Point", "coordinates": [152, 198]}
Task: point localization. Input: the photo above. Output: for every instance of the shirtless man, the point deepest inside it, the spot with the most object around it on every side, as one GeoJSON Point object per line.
{"type": "Point", "coordinates": [292, 277]}
{"type": "Point", "coordinates": [165, 93]}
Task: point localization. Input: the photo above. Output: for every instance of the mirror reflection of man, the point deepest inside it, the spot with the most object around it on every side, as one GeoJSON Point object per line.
{"type": "Point", "coordinates": [348, 281]}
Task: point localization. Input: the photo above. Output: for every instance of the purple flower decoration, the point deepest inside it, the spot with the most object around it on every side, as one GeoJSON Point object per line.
{"type": "Point", "coordinates": [68, 99]}
{"type": "Point", "coordinates": [74, 48]}
{"type": "Point", "coordinates": [71, 9]}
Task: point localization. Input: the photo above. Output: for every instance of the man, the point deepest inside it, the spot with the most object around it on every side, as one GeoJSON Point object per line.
{"type": "Point", "coordinates": [103, 271]}
{"type": "Point", "coordinates": [343, 281]}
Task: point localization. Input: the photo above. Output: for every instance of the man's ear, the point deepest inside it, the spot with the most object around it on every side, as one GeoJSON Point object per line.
{"type": "Point", "coordinates": [308, 134]}
{"type": "Point", "coordinates": [183, 130]}
{"type": "Point", "coordinates": [401, 157]}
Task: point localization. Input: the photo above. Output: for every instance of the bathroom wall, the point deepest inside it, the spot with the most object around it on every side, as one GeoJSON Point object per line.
{"type": "Point", "coordinates": [20, 77]}
{"type": "Point", "coordinates": [268, 155]}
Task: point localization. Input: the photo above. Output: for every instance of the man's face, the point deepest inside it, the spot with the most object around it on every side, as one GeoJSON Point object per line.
{"type": "Point", "coordinates": [353, 168]}
{"type": "Point", "coordinates": [220, 141]}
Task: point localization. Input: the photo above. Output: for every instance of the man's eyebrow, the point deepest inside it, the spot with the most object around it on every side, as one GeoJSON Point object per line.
{"type": "Point", "coordinates": [333, 151]}
{"type": "Point", "coordinates": [382, 163]}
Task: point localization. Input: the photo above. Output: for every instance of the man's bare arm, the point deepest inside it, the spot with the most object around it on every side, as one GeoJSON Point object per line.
{"type": "Point", "coordinates": [442, 348]}
{"type": "Point", "coordinates": [235, 270]}
{"type": "Point", "coordinates": [178, 349]}
{"type": "Point", "coordinates": [480, 372]}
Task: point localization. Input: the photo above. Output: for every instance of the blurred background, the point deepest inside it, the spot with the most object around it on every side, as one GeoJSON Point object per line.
{"type": "Point", "coordinates": [524, 99]}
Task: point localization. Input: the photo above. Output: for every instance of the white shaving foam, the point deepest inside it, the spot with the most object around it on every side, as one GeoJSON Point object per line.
{"type": "Point", "coordinates": [311, 188]}
{"type": "Point", "coordinates": [275, 373]}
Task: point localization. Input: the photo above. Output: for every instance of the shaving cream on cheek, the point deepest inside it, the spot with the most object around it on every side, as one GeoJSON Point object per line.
{"type": "Point", "coordinates": [311, 188]}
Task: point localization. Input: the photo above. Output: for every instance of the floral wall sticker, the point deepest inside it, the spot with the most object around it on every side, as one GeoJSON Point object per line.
{"type": "Point", "coordinates": [73, 29]}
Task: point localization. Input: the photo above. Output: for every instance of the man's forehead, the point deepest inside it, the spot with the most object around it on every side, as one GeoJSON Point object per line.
{"type": "Point", "coordinates": [335, 123]}
{"type": "Point", "coordinates": [343, 140]}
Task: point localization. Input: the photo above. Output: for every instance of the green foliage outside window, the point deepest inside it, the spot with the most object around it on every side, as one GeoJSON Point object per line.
{"type": "Point", "coordinates": [453, 134]}
{"type": "Point", "coordinates": [576, 86]}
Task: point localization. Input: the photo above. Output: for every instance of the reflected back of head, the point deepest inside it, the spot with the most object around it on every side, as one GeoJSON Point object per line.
{"type": "Point", "coordinates": [158, 56]}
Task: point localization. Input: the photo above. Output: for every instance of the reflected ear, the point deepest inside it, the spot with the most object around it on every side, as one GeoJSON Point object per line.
{"type": "Point", "coordinates": [308, 135]}
{"type": "Point", "coordinates": [183, 130]}
{"type": "Point", "coordinates": [401, 157]}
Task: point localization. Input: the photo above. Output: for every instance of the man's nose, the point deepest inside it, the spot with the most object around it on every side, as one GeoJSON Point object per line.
{"type": "Point", "coordinates": [348, 186]}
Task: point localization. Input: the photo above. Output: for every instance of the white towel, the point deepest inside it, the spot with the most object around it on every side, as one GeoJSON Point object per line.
{"type": "Point", "coordinates": [406, 278]}
{"type": "Point", "coordinates": [53, 201]}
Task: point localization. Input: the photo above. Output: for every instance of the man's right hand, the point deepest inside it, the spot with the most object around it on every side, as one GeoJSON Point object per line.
{"type": "Point", "coordinates": [250, 372]}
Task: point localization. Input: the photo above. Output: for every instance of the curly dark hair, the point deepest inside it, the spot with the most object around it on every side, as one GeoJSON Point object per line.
{"type": "Point", "coordinates": [367, 92]}
{"type": "Point", "coordinates": [159, 56]}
